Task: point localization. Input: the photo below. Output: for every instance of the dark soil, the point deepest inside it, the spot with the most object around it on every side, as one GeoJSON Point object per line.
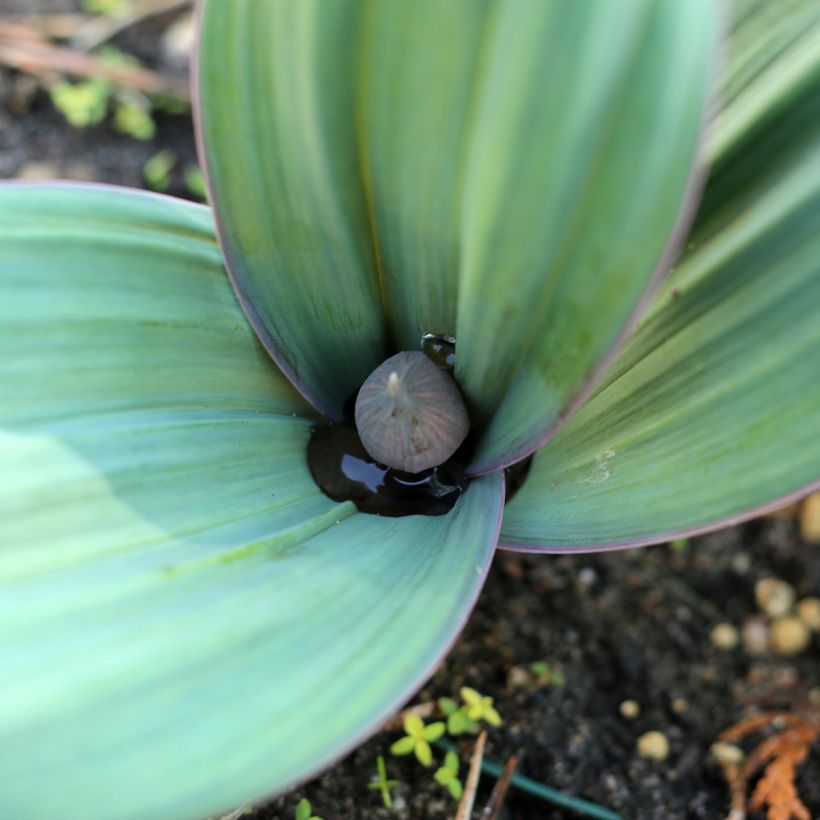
{"type": "Point", "coordinates": [619, 626]}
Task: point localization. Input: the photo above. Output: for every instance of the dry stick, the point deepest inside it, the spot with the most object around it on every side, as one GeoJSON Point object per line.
{"type": "Point", "coordinates": [532, 787]}
{"type": "Point", "coordinates": [39, 57]}
{"type": "Point", "coordinates": [465, 807]}
{"type": "Point", "coordinates": [102, 28]}
{"type": "Point", "coordinates": [50, 26]}
{"type": "Point", "coordinates": [496, 801]}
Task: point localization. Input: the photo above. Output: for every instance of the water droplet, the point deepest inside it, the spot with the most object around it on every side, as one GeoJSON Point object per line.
{"type": "Point", "coordinates": [441, 349]}
{"type": "Point", "coordinates": [345, 472]}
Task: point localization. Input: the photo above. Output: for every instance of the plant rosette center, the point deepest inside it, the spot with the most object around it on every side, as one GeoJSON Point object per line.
{"type": "Point", "coordinates": [405, 451]}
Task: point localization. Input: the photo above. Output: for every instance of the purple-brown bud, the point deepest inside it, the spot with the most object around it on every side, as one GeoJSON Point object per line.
{"type": "Point", "coordinates": [410, 414]}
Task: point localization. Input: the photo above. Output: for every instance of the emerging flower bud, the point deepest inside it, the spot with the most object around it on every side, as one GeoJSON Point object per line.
{"type": "Point", "coordinates": [410, 414]}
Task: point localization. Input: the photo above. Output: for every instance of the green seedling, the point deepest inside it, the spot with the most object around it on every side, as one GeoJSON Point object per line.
{"type": "Point", "coordinates": [82, 104]}
{"type": "Point", "coordinates": [457, 721]}
{"type": "Point", "coordinates": [132, 116]}
{"type": "Point", "coordinates": [304, 811]}
{"type": "Point", "coordinates": [382, 784]}
{"type": "Point", "coordinates": [418, 738]}
{"type": "Point", "coordinates": [195, 182]}
{"type": "Point", "coordinates": [478, 707]}
{"type": "Point", "coordinates": [157, 171]}
{"type": "Point", "coordinates": [447, 775]}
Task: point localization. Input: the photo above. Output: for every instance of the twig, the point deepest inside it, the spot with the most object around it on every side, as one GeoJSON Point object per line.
{"type": "Point", "coordinates": [102, 28]}
{"type": "Point", "coordinates": [539, 790]}
{"type": "Point", "coordinates": [496, 801]}
{"type": "Point", "coordinates": [27, 53]}
{"type": "Point", "coordinates": [465, 807]}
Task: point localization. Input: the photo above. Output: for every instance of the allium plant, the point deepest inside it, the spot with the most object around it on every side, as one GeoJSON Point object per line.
{"type": "Point", "coordinates": [188, 620]}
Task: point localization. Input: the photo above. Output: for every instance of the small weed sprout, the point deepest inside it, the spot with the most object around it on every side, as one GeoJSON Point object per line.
{"type": "Point", "coordinates": [447, 775]}
{"type": "Point", "coordinates": [465, 719]}
{"type": "Point", "coordinates": [304, 811]}
{"type": "Point", "coordinates": [195, 182]}
{"type": "Point", "coordinates": [382, 784]}
{"type": "Point", "coordinates": [157, 171]}
{"type": "Point", "coordinates": [457, 721]}
{"type": "Point", "coordinates": [478, 707]}
{"type": "Point", "coordinates": [417, 739]}
{"type": "Point", "coordinates": [82, 104]}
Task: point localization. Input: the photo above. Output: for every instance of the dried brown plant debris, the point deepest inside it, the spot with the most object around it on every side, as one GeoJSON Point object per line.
{"type": "Point", "coordinates": [778, 755]}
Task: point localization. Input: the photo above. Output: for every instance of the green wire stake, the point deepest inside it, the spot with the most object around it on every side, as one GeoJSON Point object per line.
{"type": "Point", "coordinates": [536, 789]}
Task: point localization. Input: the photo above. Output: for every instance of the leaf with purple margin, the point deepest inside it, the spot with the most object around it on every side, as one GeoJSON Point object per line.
{"type": "Point", "coordinates": [711, 412]}
{"type": "Point", "coordinates": [187, 623]}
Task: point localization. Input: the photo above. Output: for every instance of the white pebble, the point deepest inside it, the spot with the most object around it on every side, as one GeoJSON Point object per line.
{"type": "Point", "coordinates": [790, 636]}
{"type": "Point", "coordinates": [774, 597]}
{"type": "Point", "coordinates": [653, 745]}
{"type": "Point", "coordinates": [725, 636]}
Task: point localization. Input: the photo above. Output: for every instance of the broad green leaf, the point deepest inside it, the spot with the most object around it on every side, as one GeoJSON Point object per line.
{"type": "Point", "coordinates": [518, 168]}
{"type": "Point", "coordinates": [186, 622]}
{"type": "Point", "coordinates": [421, 75]}
{"type": "Point", "coordinates": [277, 99]}
{"type": "Point", "coordinates": [773, 57]}
{"type": "Point", "coordinates": [582, 143]}
{"type": "Point", "coordinates": [770, 89]}
{"type": "Point", "coordinates": [712, 410]}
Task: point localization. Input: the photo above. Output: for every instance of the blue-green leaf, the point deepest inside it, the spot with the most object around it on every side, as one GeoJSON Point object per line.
{"type": "Point", "coordinates": [508, 173]}
{"type": "Point", "coordinates": [277, 117]}
{"type": "Point", "coordinates": [186, 622]}
{"type": "Point", "coordinates": [711, 412]}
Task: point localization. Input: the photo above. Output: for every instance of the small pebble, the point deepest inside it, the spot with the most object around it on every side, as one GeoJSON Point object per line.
{"type": "Point", "coordinates": [790, 636]}
{"type": "Point", "coordinates": [755, 636]}
{"type": "Point", "coordinates": [653, 745]}
{"type": "Point", "coordinates": [178, 40]}
{"type": "Point", "coordinates": [37, 171]}
{"type": "Point", "coordinates": [587, 577]}
{"type": "Point", "coordinates": [725, 636]}
{"type": "Point", "coordinates": [810, 519]}
{"type": "Point", "coordinates": [629, 709]}
{"type": "Point", "coordinates": [774, 597]}
{"type": "Point", "coordinates": [680, 705]}
{"type": "Point", "coordinates": [808, 610]}
{"type": "Point", "coordinates": [518, 678]}
{"type": "Point", "coordinates": [727, 753]}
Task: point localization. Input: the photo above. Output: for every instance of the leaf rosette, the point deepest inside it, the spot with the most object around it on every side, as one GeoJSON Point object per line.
{"type": "Point", "coordinates": [187, 622]}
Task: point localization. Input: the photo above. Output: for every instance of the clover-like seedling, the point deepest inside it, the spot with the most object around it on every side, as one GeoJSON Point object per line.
{"type": "Point", "coordinates": [457, 721]}
{"type": "Point", "coordinates": [382, 783]}
{"type": "Point", "coordinates": [304, 811]}
{"type": "Point", "coordinates": [418, 738]}
{"type": "Point", "coordinates": [479, 707]}
{"type": "Point", "coordinates": [447, 775]}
